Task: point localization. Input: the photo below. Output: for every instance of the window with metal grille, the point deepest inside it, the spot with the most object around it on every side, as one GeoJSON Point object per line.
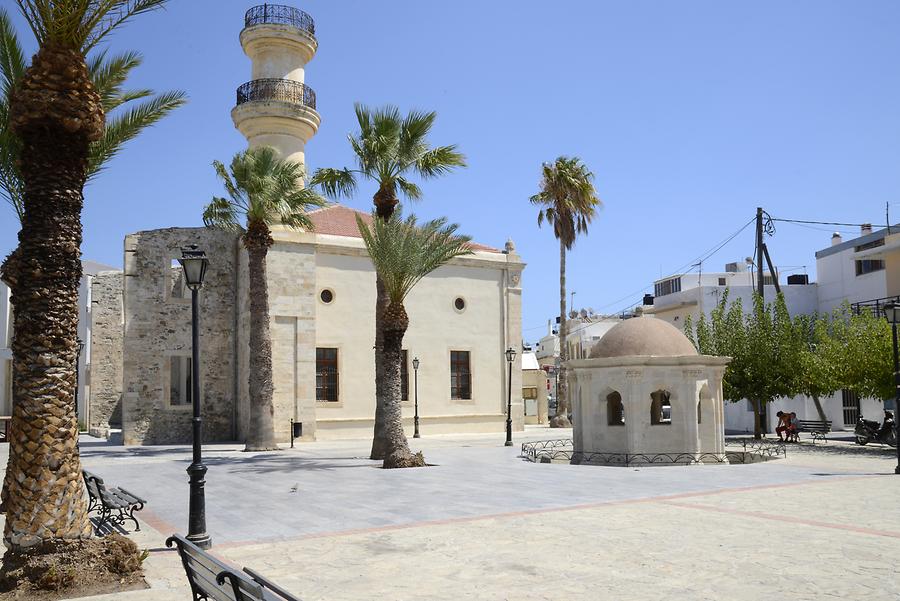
{"type": "Point", "coordinates": [670, 286]}
{"type": "Point", "coordinates": [327, 374]}
{"type": "Point", "coordinates": [460, 376]}
{"type": "Point", "coordinates": [404, 377]}
{"type": "Point", "coordinates": [850, 403]}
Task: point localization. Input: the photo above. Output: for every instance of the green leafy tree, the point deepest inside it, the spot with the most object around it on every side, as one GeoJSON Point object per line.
{"type": "Point", "coordinates": [820, 373]}
{"type": "Point", "coordinates": [263, 190]}
{"type": "Point", "coordinates": [568, 203]}
{"type": "Point", "coordinates": [403, 253]}
{"type": "Point", "coordinates": [56, 113]}
{"type": "Point", "coordinates": [128, 111]}
{"type": "Point", "coordinates": [389, 150]}
{"type": "Point", "coordinates": [764, 349]}
{"type": "Point", "coordinates": [862, 346]}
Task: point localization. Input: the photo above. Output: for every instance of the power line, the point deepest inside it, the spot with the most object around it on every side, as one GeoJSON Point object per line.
{"type": "Point", "coordinates": [680, 270]}
{"type": "Point", "coordinates": [827, 223]}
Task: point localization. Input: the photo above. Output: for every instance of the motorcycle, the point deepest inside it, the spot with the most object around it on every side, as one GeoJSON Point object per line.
{"type": "Point", "coordinates": [870, 431]}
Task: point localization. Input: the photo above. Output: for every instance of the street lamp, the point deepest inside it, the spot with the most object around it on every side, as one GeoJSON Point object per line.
{"type": "Point", "coordinates": [79, 345]}
{"type": "Point", "coordinates": [416, 380]}
{"type": "Point", "coordinates": [892, 311]}
{"type": "Point", "coordinates": [194, 263]}
{"type": "Point", "coordinates": [510, 357]}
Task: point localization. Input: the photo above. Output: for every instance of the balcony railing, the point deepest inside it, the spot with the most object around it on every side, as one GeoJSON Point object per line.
{"type": "Point", "coordinates": [280, 14]}
{"type": "Point", "coordinates": [278, 90]}
{"type": "Point", "coordinates": [876, 306]}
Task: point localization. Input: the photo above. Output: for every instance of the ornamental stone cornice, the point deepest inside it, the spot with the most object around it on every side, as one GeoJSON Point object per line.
{"type": "Point", "coordinates": [274, 35]}
{"type": "Point", "coordinates": [273, 117]}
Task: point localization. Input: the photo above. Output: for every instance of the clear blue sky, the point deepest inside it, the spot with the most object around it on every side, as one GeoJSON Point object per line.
{"type": "Point", "coordinates": [691, 114]}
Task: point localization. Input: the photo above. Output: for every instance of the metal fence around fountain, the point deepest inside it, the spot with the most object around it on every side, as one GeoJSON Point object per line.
{"type": "Point", "coordinates": [562, 450]}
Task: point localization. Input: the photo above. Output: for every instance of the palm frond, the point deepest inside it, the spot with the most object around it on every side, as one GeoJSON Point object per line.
{"type": "Point", "coordinates": [109, 75]}
{"type": "Point", "coordinates": [567, 198]}
{"type": "Point", "coordinates": [439, 161]}
{"type": "Point", "coordinates": [122, 128]}
{"type": "Point", "coordinates": [80, 24]}
{"type": "Point", "coordinates": [264, 189]}
{"type": "Point", "coordinates": [403, 252]}
{"type": "Point", "coordinates": [221, 213]}
{"type": "Point", "coordinates": [334, 182]}
{"type": "Point", "coordinates": [12, 59]}
{"type": "Point", "coordinates": [409, 189]}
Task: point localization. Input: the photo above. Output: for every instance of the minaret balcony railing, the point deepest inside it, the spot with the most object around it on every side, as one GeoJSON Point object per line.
{"type": "Point", "coordinates": [277, 90]}
{"type": "Point", "coordinates": [280, 14]}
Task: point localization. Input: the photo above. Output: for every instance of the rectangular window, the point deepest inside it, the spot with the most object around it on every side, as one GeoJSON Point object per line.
{"type": "Point", "coordinates": [404, 377]}
{"type": "Point", "coordinates": [327, 374]}
{"type": "Point", "coordinates": [721, 281]}
{"type": "Point", "coordinates": [868, 266]}
{"type": "Point", "coordinates": [180, 385]}
{"type": "Point", "coordinates": [850, 404]}
{"type": "Point", "coordinates": [460, 376]}
{"type": "Point", "coordinates": [670, 286]}
{"type": "Point", "coordinates": [529, 392]}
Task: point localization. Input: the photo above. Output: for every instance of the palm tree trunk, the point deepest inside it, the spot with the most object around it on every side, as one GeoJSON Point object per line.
{"type": "Point", "coordinates": [385, 202]}
{"type": "Point", "coordinates": [561, 419]}
{"type": "Point", "coordinates": [261, 432]}
{"type": "Point", "coordinates": [397, 453]}
{"type": "Point", "coordinates": [379, 442]}
{"type": "Point", "coordinates": [43, 493]}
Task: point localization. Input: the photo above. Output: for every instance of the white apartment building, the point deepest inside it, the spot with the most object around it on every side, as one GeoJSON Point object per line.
{"type": "Point", "coordinates": [861, 271]}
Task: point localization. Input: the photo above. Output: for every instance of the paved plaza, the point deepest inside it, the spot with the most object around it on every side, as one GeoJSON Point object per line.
{"type": "Point", "coordinates": [326, 523]}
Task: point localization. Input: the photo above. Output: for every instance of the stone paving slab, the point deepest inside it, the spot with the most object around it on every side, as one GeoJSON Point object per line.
{"type": "Point", "coordinates": [484, 524]}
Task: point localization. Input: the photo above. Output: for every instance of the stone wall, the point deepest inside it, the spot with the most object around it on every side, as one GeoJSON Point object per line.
{"type": "Point", "coordinates": [106, 352]}
{"type": "Point", "coordinates": [158, 326]}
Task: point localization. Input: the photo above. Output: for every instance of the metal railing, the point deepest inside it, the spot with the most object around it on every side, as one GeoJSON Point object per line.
{"type": "Point", "coordinates": [736, 451]}
{"type": "Point", "coordinates": [279, 14]}
{"type": "Point", "coordinates": [279, 90]}
{"type": "Point", "coordinates": [876, 305]}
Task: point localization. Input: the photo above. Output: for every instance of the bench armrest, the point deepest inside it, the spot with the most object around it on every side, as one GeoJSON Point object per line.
{"type": "Point", "coordinates": [270, 585]}
{"type": "Point", "coordinates": [132, 495]}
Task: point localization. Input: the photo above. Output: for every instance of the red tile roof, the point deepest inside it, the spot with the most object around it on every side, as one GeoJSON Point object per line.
{"type": "Point", "coordinates": [338, 220]}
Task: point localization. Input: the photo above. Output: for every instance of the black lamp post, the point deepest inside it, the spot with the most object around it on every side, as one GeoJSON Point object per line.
{"type": "Point", "coordinates": [194, 263]}
{"type": "Point", "coordinates": [892, 311]}
{"type": "Point", "coordinates": [510, 357]}
{"type": "Point", "coordinates": [416, 381]}
{"type": "Point", "coordinates": [80, 346]}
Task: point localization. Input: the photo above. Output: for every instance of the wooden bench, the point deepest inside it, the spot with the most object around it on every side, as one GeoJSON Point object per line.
{"type": "Point", "coordinates": [115, 505]}
{"type": "Point", "coordinates": [4, 427]}
{"type": "Point", "coordinates": [212, 580]}
{"type": "Point", "coordinates": [817, 428]}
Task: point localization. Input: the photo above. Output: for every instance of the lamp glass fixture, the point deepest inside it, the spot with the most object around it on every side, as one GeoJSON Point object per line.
{"type": "Point", "coordinates": [510, 354]}
{"type": "Point", "coordinates": [194, 263]}
{"type": "Point", "coordinates": [415, 363]}
{"type": "Point", "coordinates": [892, 312]}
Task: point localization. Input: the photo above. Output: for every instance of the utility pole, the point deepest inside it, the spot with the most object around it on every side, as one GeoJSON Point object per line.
{"type": "Point", "coordinates": [759, 253]}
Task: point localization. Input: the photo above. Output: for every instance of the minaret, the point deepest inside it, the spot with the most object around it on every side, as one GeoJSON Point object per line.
{"type": "Point", "coordinates": [276, 108]}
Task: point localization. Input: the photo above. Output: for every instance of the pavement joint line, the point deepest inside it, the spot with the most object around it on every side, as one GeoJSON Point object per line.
{"type": "Point", "coordinates": [527, 512]}
{"type": "Point", "coordinates": [781, 518]}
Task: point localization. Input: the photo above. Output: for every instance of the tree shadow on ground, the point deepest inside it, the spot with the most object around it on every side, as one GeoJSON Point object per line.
{"type": "Point", "coordinates": [279, 463]}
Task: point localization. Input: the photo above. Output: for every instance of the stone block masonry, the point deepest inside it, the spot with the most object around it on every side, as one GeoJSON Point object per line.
{"type": "Point", "coordinates": [157, 312]}
{"type": "Point", "coordinates": [106, 353]}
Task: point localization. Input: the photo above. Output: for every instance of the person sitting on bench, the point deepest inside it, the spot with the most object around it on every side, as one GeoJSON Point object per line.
{"type": "Point", "coordinates": [784, 424]}
{"type": "Point", "coordinates": [793, 431]}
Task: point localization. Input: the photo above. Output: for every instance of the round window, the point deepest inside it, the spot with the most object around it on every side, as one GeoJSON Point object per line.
{"type": "Point", "coordinates": [327, 296]}
{"type": "Point", "coordinates": [459, 303]}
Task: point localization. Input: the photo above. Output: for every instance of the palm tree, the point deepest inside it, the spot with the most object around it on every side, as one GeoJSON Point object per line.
{"type": "Point", "coordinates": [568, 202]}
{"type": "Point", "coordinates": [389, 150]}
{"type": "Point", "coordinates": [264, 190]}
{"type": "Point", "coordinates": [108, 76]}
{"type": "Point", "coordinates": [403, 253]}
{"type": "Point", "coordinates": [56, 113]}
